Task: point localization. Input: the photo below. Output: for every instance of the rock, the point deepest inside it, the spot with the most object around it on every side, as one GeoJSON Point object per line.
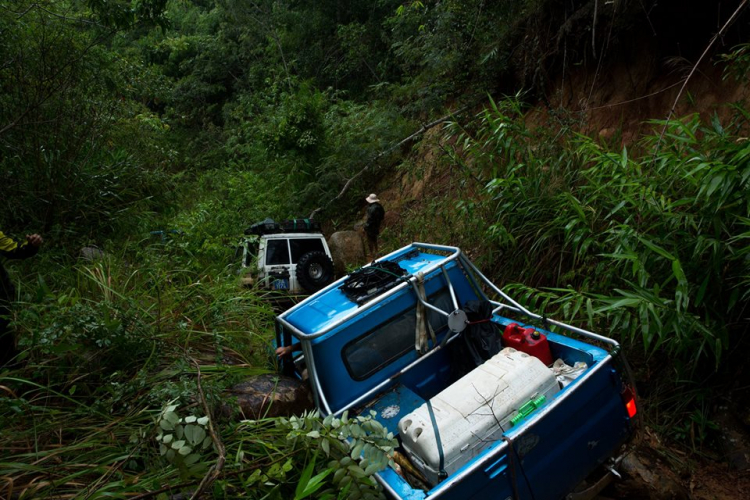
{"type": "Point", "coordinates": [271, 395]}
{"type": "Point", "coordinates": [347, 249]}
{"type": "Point", "coordinates": [645, 477]}
{"type": "Point", "coordinates": [733, 440]}
{"type": "Point", "coordinates": [606, 133]}
{"type": "Point", "coordinates": [91, 254]}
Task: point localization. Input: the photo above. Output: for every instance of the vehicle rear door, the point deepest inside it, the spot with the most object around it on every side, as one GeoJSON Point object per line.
{"type": "Point", "coordinates": [276, 261]}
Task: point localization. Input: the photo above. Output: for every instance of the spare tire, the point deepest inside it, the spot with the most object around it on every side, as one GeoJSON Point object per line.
{"type": "Point", "coordinates": [314, 271]}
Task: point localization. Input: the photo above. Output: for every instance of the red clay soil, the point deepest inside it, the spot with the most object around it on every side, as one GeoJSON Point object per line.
{"type": "Point", "coordinates": [619, 102]}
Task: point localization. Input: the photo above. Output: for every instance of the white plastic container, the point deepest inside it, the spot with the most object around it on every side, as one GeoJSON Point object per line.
{"type": "Point", "coordinates": [474, 412]}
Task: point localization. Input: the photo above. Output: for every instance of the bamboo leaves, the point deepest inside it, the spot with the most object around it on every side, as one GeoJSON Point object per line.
{"type": "Point", "coordinates": [656, 247]}
{"type": "Point", "coordinates": [309, 484]}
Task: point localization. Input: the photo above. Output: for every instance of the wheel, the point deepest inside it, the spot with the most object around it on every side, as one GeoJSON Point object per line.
{"type": "Point", "coordinates": [314, 271]}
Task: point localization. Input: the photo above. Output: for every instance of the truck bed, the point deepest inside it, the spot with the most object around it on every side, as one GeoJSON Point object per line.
{"type": "Point", "coordinates": [553, 448]}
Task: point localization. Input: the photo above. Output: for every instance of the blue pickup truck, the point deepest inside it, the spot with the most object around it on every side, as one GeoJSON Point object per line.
{"type": "Point", "coordinates": [486, 398]}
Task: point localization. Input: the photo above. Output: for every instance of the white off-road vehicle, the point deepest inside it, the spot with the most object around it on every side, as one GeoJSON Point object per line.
{"type": "Point", "coordinates": [292, 256]}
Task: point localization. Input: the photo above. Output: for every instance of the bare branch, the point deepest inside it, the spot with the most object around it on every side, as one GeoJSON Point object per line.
{"type": "Point", "coordinates": [20, 14]}
{"type": "Point", "coordinates": [424, 128]}
{"type": "Point", "coordinates": [214, 472]}
{"type": "Point", "coordinates": [62, 84]}
{"type": "Point", "coordinates": [72, 19]}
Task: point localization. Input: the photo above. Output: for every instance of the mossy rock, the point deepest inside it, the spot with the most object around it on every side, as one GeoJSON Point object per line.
{"type": "Point", "coordinates": [271, 395]}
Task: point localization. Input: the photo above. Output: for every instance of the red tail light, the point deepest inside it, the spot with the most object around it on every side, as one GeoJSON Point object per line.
{"type": "Point", "coordinates": [628, 397]}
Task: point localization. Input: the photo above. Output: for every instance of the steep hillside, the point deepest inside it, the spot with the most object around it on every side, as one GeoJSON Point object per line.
{"type": "Point", "coordinates": [606, 75]}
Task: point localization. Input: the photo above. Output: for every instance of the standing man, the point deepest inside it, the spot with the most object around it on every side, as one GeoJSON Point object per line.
{"type": "Point", "coordinates": [9, 249]}
{"type": "Point", "coordinates": [375, 215]}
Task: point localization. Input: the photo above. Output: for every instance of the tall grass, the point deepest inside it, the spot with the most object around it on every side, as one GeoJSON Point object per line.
{"type": "Point", "coordinates": [103, 346]}
{"type": "Point", "coordinates": [111, 348]}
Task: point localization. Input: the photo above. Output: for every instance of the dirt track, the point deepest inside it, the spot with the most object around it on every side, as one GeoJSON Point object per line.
{"type": "Point", "coordinates": [656, 471]}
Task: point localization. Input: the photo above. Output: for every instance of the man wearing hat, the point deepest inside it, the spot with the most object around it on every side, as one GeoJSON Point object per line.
{"type": "Point", "coordinates": [375, 214]}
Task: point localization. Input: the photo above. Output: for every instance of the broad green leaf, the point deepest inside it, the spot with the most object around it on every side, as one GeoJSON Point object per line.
{"type": "Point", "coordinates": [198, 436]}
{"type": "Point", "coordinates": [372, 469]}
{"type": "Point", "coordinates": [625, 302]}
{"type": "Point", "coordinates": [590, 312]}
{"type": "Point", "coordinates": [207, 442]}
{"type": "Point", "coordinates": [189, 433]}
{"type": "Point", "coordinates": [356, 471]}
{"type": "Point", "coordinates": [338, 475]}
{"type": "Point", "coordinates": [714, 184]}
{"type": "Point", "coordinates": [356, 451]}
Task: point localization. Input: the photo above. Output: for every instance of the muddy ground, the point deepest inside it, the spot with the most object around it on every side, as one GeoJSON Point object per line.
{"type": "Point", "coordinates": [648, 474]}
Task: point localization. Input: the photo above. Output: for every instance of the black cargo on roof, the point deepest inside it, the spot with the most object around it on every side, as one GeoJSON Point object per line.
{"type": "Point", "coordinates": [371, 281]}
{"type": "Point", "coordinates": [269, 226]}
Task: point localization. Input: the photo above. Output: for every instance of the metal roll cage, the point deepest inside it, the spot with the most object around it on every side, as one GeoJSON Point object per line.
{"type": "Point", "coordinates": [471, 271]}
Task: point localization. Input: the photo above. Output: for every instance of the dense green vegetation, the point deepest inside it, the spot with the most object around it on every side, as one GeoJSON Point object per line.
{"type": "Point", "coordinates": [121, 118]}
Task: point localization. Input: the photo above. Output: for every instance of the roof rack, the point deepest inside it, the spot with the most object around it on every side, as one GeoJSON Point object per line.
{"type": "Point", "coordinates": [270, 226]}
{"type": "Point", "coordinates": [373, 280]}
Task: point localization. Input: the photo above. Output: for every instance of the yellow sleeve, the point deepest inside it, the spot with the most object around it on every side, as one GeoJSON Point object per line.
{"type": "Point", "coordinates": [7, 244]}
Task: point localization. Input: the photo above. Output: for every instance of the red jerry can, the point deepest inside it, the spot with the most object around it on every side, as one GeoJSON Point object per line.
{"type": "Point", "coordinates": [528, 340]}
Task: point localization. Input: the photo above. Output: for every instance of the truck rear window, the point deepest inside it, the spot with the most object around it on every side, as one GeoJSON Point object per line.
{"type": "Point", "coordinates": [379, 347]}
{"type": "Point", "coordinates": [303, 245]}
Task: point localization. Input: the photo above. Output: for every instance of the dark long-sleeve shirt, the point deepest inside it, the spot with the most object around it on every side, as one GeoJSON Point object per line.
{"type": "Point", "coordinates": [9, 249]}
{"type": "Point", "coordinates": [375, 215]}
